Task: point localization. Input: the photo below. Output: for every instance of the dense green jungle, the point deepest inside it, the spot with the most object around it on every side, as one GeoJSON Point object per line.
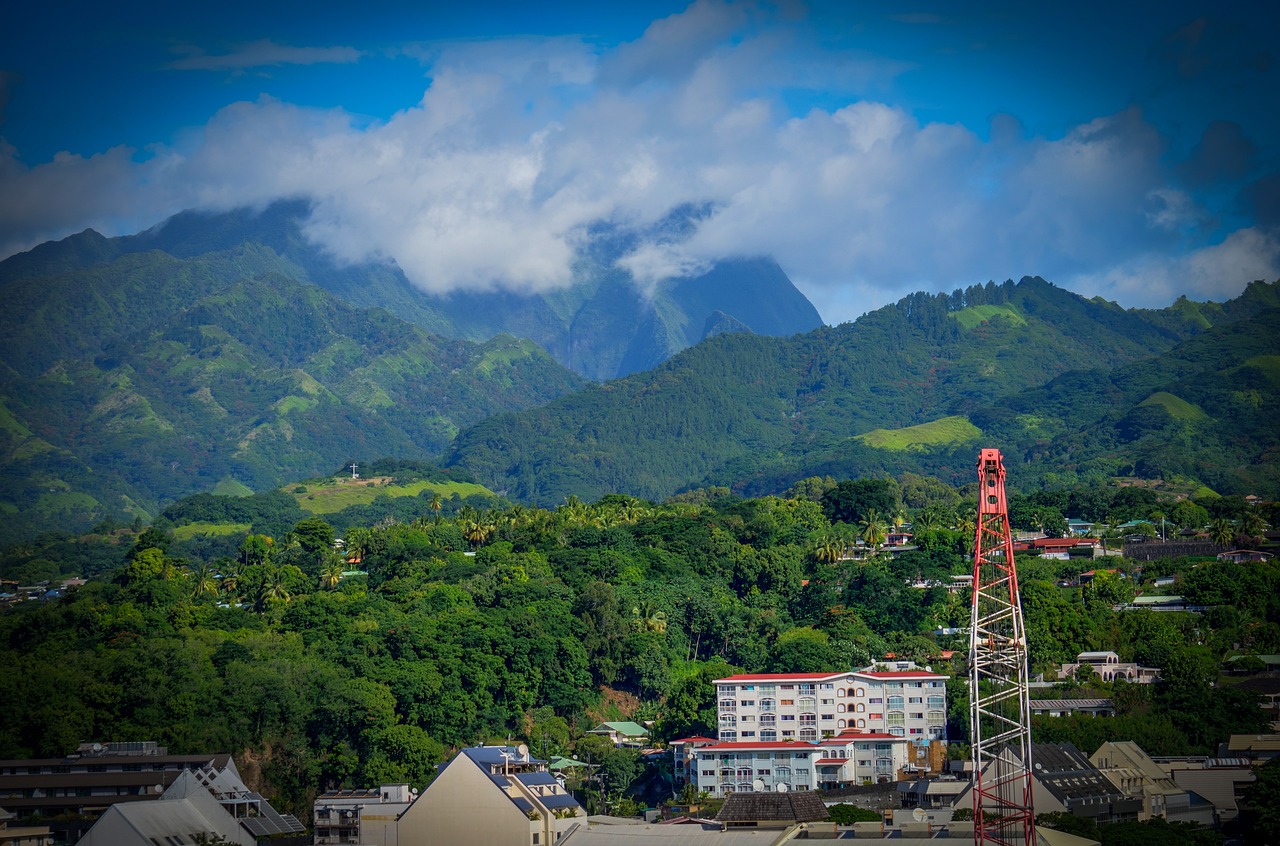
{"type": "Point", "coordinates": [233, 623]}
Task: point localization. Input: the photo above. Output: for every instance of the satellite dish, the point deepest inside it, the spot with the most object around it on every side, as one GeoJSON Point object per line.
{"type": "Point", "coordinates": [782, 787]}
{"type": "Point", "coordinates": [758, 785]}
{"type": "Point", "coordinates": [97, 747]}
{"type": "Point", "coordinates": [919, 815]}
{"type": "Point", "coordinates": [523, 750]}
{"type": "Point", "coordinates": [159, 788]}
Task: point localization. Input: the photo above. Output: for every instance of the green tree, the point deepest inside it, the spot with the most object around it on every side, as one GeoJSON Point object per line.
{"type": "Point", "coordinates": [1262, 804]}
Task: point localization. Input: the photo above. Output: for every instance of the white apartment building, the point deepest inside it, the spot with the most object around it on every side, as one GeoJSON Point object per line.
{"type": "Point", "coordinates": [780, 707]}
{"type": "Point", "coordinates": [852, 758]}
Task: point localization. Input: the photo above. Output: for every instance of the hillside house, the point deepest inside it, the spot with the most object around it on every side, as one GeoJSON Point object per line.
{"type": "Point", "coordinates": [1133, 772]}
{"type": "Point", "coordinates": [623, 733]}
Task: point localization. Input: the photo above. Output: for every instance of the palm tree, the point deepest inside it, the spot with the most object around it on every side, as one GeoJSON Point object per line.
{"type": "Point", "coordinates": [357, 542]}
{"type": "Point", "coordinates": [874, 531]}
{"type": "Point", "coordinates": [1253, 525]}
{"type": "Point", "coordinates": [1222, 532]}
{"type": "Point", "coordinates": [829, 549]}
{"type": "Point", "coordinates": [230, 576]}
{"type": "Point", "coordinates": [649, 617]}
{"type": "Point", "coordinates": [436, 504]}
{"type": "Point", "coordinates": [274, 589]}
{"type": "Point", "coordinates": [203, 581]}
{"type": "Point", "coordinates": [331, 572]}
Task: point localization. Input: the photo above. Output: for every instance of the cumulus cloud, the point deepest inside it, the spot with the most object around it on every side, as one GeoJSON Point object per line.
{"type": "Point", "coordinates": [261, 54]}
{"type": "Point", "coordinates": [518, 148]}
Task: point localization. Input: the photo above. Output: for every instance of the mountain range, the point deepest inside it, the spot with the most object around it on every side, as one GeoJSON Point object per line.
{"type": "Point", "coordinates": [228, 348]}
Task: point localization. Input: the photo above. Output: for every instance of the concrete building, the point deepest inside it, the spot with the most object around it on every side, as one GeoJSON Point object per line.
{"type": "Point", "coordinates": [780, 707]}
{"type": "Point", "coordinates": [32, 835]}
{"type": "Point", "coordinates": [495, 795]}
{"type": "Point", "coordinates": [852, 758]}
{"type": "Point", "coordinates": [684, 760]}
{"type": "Point", "coordinates": [1221, 781]}
{"type": "Point", "coordinates": [95, 777]}
{"type": "Point", "coordinates": [1134, 773]}
{"type": "Point", "coordinates": [367, 817]}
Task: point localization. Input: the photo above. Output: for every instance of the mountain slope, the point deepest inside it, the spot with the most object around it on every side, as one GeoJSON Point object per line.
{"type": "Point", "coordinates": [761, 412]}
{"type": "Point", "coordinates": [601, 326]}
{"type": "Point", "coordinates": [148, 377]}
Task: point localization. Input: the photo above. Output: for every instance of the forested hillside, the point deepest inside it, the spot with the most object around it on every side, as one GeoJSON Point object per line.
{"type": "Point", "coordinates": [131, 383]}
{"type": "Point", "coordinates": [481, 624]}
{"type": "Point", "coordinates": [758, 413]}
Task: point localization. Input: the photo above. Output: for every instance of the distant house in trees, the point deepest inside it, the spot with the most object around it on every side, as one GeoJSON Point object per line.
{"type": "Point", "coordinates": [1107, 666]}
{"type": "Point", "coordinates": [494, 795]}
{"type": "Point", "coordinates": [623, 733]}
{"type": "Point", "coordinates": [1244, 556]}
{"type": "Point", "coordinates": [1070, 707]}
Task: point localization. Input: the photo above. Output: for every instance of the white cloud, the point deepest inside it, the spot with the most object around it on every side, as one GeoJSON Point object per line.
{"type": "Point", "coordinates": [261, 54]}
{"type": "Point", "coordinates": [517, 147]}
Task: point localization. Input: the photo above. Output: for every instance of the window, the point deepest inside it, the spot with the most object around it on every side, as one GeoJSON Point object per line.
{"type": "Point", "coordinates": [747, 703]}
{"type": "Point", "coordinates": [728, 704]}
{"type": "Point", "coordinates": [876, 716]}
{"type": "Point", "coordinates": [768, 734]}
{"type": "Point", "coordinates": [827, 716]}
{"type": "Point", "coordinates": [897, 731]}
{"type": "Point", "coordinates": [728, 736]}
{"type": "Point", "coordinates": [747, 718]}
{"type": "Point", "coordinates": [896, 718]}
{"type": "Point", "coordinates": [914, 700]}
{"type": "Point", "coordinates": [937, 702]}
{"type": "Point", "coordinates": [767, 704]}
{"type": "Point", "coordinates": [747, 734]}
{"type": "Point", "coordinates": [860, 708]}
{"type": "Point", "coordinates": [787, 702]}
{"type": "Point", "coordinates": [876, 700]}
{"type": "Point", "coordinates": [840, 708]}
{"type": "Point", "coordinates": [895, 701]}
{"type": "Point", "coordinates": [826, 702]}
{"type": "Point", "coordinates": [866, 762]}
{"type": "Point", "coordinates": [917, 731]}
{"type": "Point", "coordinates": [788, 718]}
{"type": "Point", "coordinates": [728, 688]}
{"type": "Point", "coordinates": [788, 733]}
{"type": "Point", "coordinates": [840, 693]}
{"type": "Point", "coordinates": [840, 724]}
{"type": "Point", "coordinates": [708, 772]}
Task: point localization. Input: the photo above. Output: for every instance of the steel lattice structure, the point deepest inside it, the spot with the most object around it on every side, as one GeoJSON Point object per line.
{"type": "Point", "coordinates": [999, 710]}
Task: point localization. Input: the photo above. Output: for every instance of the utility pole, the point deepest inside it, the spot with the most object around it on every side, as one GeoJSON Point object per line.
{"type": "Point", "coordinates": [999, 706]}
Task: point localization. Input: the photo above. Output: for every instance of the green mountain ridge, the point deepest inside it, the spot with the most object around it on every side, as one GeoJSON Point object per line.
{"type": "Point", "coordinates": [601, 326]}
{"type": "Point", "coordinates": [759, 413]}
{"type": "Point", "coordinates": [135, 382]}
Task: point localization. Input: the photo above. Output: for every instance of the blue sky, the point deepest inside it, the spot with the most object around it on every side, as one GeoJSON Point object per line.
{"type": "Point", "coordinates": [1123, 149]}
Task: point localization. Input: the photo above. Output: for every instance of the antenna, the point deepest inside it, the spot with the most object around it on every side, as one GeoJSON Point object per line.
{"type": "Point", "coordinates": [999, 709]}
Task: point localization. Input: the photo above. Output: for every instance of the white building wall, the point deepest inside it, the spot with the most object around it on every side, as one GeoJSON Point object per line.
{"type": "Point", "coordinates": [804, 708]}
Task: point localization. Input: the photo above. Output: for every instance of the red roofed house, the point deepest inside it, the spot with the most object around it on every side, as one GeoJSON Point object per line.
{"type": "Point", "coordinates": [1063, 548]}
{"type": "Point", "coordinates": [684, 759]}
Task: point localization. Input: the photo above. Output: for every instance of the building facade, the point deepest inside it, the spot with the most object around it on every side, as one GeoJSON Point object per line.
{"type": "Point", "coordinates": [782, 707]}
{"type": "Point", "coordinates": [852, 758]}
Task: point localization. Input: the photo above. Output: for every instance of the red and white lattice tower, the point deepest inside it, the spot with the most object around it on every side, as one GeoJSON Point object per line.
{"type": "Point", "coordinates": [999, 709]}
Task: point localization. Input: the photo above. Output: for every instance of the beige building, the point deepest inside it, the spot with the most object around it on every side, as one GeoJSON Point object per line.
{"type": "Point", "coordinates": [1131, 769]}
{"type": "Point", "coordinates": [366, 817]}
{"type": "Point", "coordinates": [495, 795]}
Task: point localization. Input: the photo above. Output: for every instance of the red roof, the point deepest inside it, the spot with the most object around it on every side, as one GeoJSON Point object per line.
{"type": "Point", "coordinates": [696, 740]}
{"type": "Point", "coordinates": [905, 674]}
{"type": "Point", "coordinates": [797, 745]}
{"type": "Point", "coordinates": [748, 677]}
{"type": "Point", "coordinates": [813, 677]}
{"type": "Point", "coordinates": [856, 734]}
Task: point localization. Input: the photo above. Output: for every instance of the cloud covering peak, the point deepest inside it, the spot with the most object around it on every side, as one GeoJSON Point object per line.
{"type": "Point", "coordinates": [517, 147]}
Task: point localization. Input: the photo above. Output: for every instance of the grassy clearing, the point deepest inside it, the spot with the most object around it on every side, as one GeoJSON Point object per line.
{"type": "Point", "coordinates": [1178, 408]}
{"type": "Point", "coordinates": [327, 496]}
{"type": "Point", "coordinates": [192, 530]}
{"type": "Point", "coordinates": [948, 430]}
{"type": "Point", "coordinates": [974, 316]}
